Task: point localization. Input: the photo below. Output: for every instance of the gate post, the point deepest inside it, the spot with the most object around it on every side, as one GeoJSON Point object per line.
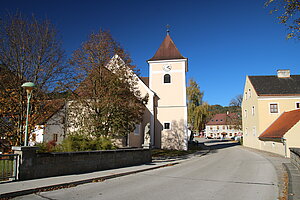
{"type": "Point", "coordinates": [26, 162]}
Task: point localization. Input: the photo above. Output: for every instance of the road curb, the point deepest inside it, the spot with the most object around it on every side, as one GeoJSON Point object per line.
{"type": "Point", "coordinates": [76, 183]}
{"type": "Point", "coordinates": [294, 181]}
{"type": "Point", "coordinates": [90, 180]}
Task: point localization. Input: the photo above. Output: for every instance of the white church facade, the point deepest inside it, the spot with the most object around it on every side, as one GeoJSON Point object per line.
{"type": "Point", "coordinates": [165, 116]}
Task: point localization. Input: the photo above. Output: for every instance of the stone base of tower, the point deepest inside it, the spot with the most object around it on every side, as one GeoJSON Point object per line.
{"type": "Point", "coordinates": [176, 137]}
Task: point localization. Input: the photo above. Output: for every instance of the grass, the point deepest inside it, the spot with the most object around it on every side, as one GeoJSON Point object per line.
{"type": "Point", "coordinates": [170, 153]}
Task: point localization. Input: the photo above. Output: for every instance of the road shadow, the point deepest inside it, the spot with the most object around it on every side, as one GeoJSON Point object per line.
{"type": "Point", "coordinates": [221, 145]}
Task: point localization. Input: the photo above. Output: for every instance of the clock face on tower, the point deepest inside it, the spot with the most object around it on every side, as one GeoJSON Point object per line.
{"type": "Point", "coordinates": [167, 68]}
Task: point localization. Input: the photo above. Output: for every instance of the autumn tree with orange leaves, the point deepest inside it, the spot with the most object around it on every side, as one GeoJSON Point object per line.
{"type": "Point", "coordinates": [107, 102]}
{"type": "Point", "coordinates": [29, 51]}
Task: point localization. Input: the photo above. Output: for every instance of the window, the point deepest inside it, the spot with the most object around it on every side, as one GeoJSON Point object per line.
{"type": "Point", "coordinates": [249, 93]}
{"type": "Point", "coordinates": [245, 95]}
{"type": "Point", "coordinates": [137, 129]}
{"type": "Point", "coordinates": [55, 137]}
{"type": "Point", "coordinates": [297, 104]}
{"type": "Point", "coordinates": [253, 110]}
{"type": "Point", "coordinates": [245, 113]}
{"type": "Point", "coordinates": [273, 108]}
{"type": "Point", "coordinates": [167, 78]}
{"type": "Point", "coordinates": [254, 130]}
{"type": "Point", "coordinates": [167, 126]}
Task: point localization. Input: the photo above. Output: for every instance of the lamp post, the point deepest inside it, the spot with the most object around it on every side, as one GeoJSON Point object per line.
{"type": "Point", "coordinates": [28, 86]}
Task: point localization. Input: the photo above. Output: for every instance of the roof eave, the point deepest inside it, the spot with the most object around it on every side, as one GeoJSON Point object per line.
{"type": "Point", "coordinates": [274, 139]}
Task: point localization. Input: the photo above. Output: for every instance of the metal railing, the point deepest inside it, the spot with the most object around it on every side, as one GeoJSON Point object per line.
{"type": "Point", "coordinates": [8, 167]}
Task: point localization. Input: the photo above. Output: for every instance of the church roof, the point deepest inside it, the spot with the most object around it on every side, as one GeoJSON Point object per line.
{"type": "Point", "coordinates": [167, 51]}
{"type": "Point", "coordinates": [281, 125]}
{"type": "Point", "coordinates": [145, 80]}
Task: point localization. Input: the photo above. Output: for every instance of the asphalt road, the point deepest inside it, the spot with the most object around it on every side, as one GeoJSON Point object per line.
{"type": "Point", "coordinates": [229, 172]}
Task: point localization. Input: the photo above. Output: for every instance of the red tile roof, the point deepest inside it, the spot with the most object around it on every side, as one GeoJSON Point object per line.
{"type": "Point", "coordinates": [281, 125]}
{"type": "Point", "coordinates": [222, 119]}
{"type": "Point", "coordinates": [167, 51]}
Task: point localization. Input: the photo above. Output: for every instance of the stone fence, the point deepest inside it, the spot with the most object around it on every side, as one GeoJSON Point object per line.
{"type": "Point", "coordinates": [295, 157]}
{"type": "Point", "coordinates": [34, 165]}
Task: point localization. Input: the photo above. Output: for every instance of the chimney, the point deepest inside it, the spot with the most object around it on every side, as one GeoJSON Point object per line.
{"type": "Point", "coordinates": [283, 73]}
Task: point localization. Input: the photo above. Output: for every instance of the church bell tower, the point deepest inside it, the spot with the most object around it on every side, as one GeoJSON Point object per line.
{"type": "Point", "coordinates": [167, 79]}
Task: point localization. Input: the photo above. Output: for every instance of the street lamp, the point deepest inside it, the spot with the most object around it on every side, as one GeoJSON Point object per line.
{"type": "Point", "coordinates": [28, 86]}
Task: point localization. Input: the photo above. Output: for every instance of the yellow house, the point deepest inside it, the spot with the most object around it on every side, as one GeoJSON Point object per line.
{"type": "Point", "coordinates": [265, 99]}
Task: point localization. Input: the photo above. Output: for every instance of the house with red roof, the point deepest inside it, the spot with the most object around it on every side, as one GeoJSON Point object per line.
{"type": "Point", "coordinates": [223, 126]}
{"type": "Point", "coordinates": [270, 112]}
{"type": "Point", "coordinates": [283, 133]}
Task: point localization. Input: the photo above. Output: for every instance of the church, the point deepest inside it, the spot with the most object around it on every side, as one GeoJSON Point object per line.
{"type": "Point", "coordinates": [167, 105]}
{"type": "Point", "coordinates": [164, 123]}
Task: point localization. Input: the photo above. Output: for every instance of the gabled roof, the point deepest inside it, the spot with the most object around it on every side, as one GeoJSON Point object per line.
{"type": "Point", "coordinates": [222, 119]}
{"type": "Point", "coordinates": [274, 86]}
{"type": "Point", "coordinates": [145, 80]}
{"type": "Point", "coordinates": [167, 51]}
{"type": "Point", "coordinates": [281, 125]}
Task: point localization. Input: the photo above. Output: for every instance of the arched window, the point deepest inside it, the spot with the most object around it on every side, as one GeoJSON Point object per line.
{"type": "Point", "coordinates": [167, 78]}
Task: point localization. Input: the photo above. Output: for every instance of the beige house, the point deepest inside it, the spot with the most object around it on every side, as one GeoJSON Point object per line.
{"type": "Point", "coordinates": [165, 117]}
{"type": "Point", "coordinates": [222, 126]}
{"type": "Point", "coordinates": [265, 99]}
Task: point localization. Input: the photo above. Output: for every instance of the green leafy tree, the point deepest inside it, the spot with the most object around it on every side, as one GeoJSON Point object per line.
{"type": "Point", "coordinates": [198, 111]}
{"type": "Point", "coordinates": [106, 102]}
{"type": "Point", "coordinates": [288, 14]}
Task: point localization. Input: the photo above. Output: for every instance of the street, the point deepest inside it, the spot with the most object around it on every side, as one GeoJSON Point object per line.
{"type": "Point", "coordinates": [229, 171]}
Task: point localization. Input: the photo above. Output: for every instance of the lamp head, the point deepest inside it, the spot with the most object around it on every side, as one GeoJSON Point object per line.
{"type": "Point", "coordinates": [28, 86]}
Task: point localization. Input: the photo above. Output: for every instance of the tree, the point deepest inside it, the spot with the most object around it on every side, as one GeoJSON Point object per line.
{"type": "Point", "coordinates": [198, 112]}
{"type": "Point", "coordinates": [236, 120]}
{"type": "Point", "coordinates": [106, 102]}
{"type": "Point", "coordinates": [288, 11]}
{"type": "Point", "coordinates": [29, 51]}
{"type": "Point", "coordinates": [237, 101]}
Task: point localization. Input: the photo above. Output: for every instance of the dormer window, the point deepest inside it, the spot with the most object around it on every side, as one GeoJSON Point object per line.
{"type": "Point", "coordinates": [167, 78]}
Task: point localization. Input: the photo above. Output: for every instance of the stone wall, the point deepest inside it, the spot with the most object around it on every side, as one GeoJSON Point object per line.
{"type": "Point", "coordinates": [39, 165]}
{"type": "Point", "coordinates": [295, 157]}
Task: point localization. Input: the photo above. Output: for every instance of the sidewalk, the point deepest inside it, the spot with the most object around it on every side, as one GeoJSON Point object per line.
{"type": "Point", "coordinates": [19, 188]}
{"type": "Point", "coordinates": [284, 165]}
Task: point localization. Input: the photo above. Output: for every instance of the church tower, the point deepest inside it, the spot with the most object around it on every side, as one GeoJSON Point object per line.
{"type": "Point", "coordinates": [167, 79]}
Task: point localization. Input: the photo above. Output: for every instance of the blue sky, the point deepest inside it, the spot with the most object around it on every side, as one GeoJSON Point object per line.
{"type": "Point", "coordinates": [223, 40]}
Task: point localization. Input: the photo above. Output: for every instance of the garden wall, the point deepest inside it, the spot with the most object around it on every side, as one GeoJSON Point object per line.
{"type": "Point", "coordinates": [34, 165]}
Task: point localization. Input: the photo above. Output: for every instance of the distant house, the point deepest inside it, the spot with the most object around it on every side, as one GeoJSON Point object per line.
{"type": "Point", "coordinates": [223, 126]}
{"type": "Point", "coordinates": [165, 113]}
{"type": "Point", "coordinates": [265, 100]}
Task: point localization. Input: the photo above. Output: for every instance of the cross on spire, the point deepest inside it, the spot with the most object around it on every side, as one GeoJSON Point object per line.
{"type": "Point", "coordinates": [168, 29]}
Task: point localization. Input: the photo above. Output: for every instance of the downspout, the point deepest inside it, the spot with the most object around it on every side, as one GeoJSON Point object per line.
{"type": "Point", "coordinates": [283, 140]}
